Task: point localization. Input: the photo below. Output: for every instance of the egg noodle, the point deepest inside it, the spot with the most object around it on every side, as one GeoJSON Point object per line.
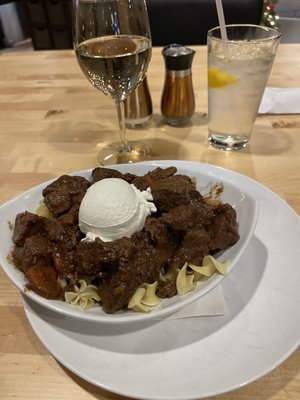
{"type": "Point", "coordinates": [84, 294]}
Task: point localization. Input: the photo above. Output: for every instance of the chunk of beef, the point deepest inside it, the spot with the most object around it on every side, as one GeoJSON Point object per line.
{"type": "Point", "coordinates": [194, 246]}
{"type": "Point", "coordinates": [64, 193]}
{"type": "Point", "coordinates": [68, 219]}
{"type": "Point", "coordinates": [72, 232]}
{"type": "Point", "coordinates": [160, 173]}
{"type": "Point", "coordinates": [69, 222]}
{"type": "Point", "coordinates": [100, 173]}
{"type": "Point", "coordinates": [196, 197]}
{"type": "Point", "coordinates": [36, 250]}
{"type": "Point", "coordinates": [185, 217]}
{"type": "Point", "coordinates": [43, 241]}
{"type": "Point", "coordinates": [94, 257]}
{"type": "Point", "coordinates": [128, 177]}
{"type": "Point", "coordinates": [142, 266]}
{"type": "Point", "coordinates": [43, 281]}
{"type": "Point", "coordinates": [157, 231]}
{"type": "Point", "coordinates": [63, 259]}
{"type": "Point", "coordinates": [223, 230]}
{"type": "Point", "coordinates": [172, 192]}
{"type": "Point", "coordinates": [166, 289]}
{"type": "Point", "coordinates": [65, 249]}
{"type": "Point", "coordinates": [143, 182]}
{"type": "Point", "coordinates": [28, 224]}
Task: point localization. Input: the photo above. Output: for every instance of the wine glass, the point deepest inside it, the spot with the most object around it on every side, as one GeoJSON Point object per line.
{"type": "Point", "coordinates": [112, 42]}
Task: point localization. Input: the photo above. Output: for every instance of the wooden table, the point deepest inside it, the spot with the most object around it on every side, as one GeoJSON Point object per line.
{"type": "Point", "coordinates": [52, 121]}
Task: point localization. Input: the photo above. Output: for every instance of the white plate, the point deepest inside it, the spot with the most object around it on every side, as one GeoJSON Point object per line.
{"type": "Point", "coordinates": [197, 357]}
{"type": "Point", "coordinates": [234, 193]}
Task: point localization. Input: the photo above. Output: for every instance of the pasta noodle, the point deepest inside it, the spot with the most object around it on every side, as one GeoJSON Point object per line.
{"type": "Point", "coordinates": [85, 295]}
{"type": "Point", "coordinates": [135, 303]}
{"type": "Point", "coordinates": [43, 211]}
{"type": "Point", "coordinates": [221, 267]}
{"type": "Point", "coordinates": [150, 299]}
{"type": "Point", "coordinates": [144, 298]}
{"type": "Point", "coordinates": [209, 266]}
{"type": "Point", "coordinates": [184, 281]}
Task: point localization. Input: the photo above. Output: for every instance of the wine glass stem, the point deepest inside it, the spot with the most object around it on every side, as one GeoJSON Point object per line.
{"type": "Point", "coordinates": [125, 148]}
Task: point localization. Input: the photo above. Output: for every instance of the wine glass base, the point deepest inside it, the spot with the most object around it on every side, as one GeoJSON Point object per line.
{"type": "Point", "coordinates": [132, 153]}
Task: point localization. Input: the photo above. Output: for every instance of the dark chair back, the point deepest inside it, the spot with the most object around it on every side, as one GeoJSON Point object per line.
{"type": "Point", "coordinates": [187, 21]}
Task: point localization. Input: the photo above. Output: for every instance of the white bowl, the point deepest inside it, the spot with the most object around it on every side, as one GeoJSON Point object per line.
{"type": "Point", "coordinates": [206, 175]}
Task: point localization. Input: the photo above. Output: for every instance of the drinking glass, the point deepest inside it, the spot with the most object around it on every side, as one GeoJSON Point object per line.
{"type": "Point", "coordinates": [238, 70]}
{"type": "Point", "coordinates": [112, 42]}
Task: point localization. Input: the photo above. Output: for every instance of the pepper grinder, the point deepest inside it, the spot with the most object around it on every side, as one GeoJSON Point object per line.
{"type": "Point", "coordinates": [138, 107]}
{"type": "Point", "coordinates": [178, 100]}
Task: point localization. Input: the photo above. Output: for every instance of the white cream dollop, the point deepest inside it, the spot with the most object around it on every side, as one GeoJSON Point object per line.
{"type": "Point", "coordinates": [112, 208]}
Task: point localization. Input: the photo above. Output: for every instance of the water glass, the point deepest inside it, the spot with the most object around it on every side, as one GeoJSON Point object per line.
{"type": "Point", "coordinates": [238, 70]}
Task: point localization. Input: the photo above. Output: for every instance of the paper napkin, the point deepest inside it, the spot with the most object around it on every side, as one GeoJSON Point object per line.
{"type": "Point", "coordinates": [211, 304]}
{"type": "Point", "coordinates": [280, 101]}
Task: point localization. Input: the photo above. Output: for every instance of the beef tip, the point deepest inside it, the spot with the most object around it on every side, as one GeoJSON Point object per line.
{"type": "Point", "coordinates": [196, 197]}
{"type": "Point", "coordinates": [140, 183]}
{"type": "Point", "coordinates": [185, 217]}
{"type": "Point", "coordinates": [43, 241]}
{"type": "Point", "coordinates": [65, 249]}
{"type": "Point", "coordinates": [157, 231]}
{"type": "Point", "coordinates": [100, 173]}
{"type": "Point", "coordinates": [69, 222]}
{"type": "Point", "coordinates": [194, 246]}
{"type": "Point", "coordinates": [143, 182]}
{"type": "Point", "coordinates": [28, 224]}
{"type": "Point", "coordinates": [72, 232]}
{"type": "Point", "coordinates": [68, 219]}
{"type": "Point", "coordinates": [67, 191]}
{"type": "Point", "coordinates": [160, 174]}
{"type": "Point", "coordinates": [166, 289]}
{"type": "Point", "coordinates": [129, 177]}
{"type": "Point", "coordinates": [43, 281]}
{"type": "Point", "coordinates": [93, 257]}
{"type": "Point", "coordinates": [143, 266]}
{"type": "Point", "coordinates": [223, 230]}
{"type": "Point", "coordinates": [172, 192]}
{"type": "Point", "coordinates": [63, 262]}
{"type": "Point", "coordinates": [37, 250]}
{"type": "Point", "coordinates": [63, 259]}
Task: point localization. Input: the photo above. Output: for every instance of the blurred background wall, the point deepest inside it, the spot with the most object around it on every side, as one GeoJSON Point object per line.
{"type": "Point", "coordinates": [46, 24]}
{"type": "Point", "coordinates": [13, 24]}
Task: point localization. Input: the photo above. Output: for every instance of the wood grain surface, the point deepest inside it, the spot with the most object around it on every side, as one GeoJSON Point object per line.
{"type": "Point", "coordinates": [52, 121]}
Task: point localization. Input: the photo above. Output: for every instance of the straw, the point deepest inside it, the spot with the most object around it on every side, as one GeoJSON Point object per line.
{"type": "Point", "coordinates": [232, 99]}
{"type": "Point", "coordinates": [222, 25]}
{"type": "Point", "coordinates": [221, 18]}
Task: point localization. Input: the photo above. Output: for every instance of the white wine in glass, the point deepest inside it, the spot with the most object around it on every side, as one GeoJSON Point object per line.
{"type": "Point", "coordinates": [112, 42]}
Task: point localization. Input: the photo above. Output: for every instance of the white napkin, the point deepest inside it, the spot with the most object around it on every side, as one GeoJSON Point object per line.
{"type": "Point", "coordinates": [280, 101]}
{"type": "Point", "coordinates": [212, 304]}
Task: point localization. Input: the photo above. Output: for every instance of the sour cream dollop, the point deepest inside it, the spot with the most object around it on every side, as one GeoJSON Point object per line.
{"type": "Point", "coordinates": [112, 208]}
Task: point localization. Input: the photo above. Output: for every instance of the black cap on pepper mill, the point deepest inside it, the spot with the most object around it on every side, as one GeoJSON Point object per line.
{"type": "Point", "coordinates": [178, 100]}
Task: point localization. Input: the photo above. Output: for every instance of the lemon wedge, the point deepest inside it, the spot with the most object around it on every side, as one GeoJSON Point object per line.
{"type": "Point", "coordinates": [218, 78]}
